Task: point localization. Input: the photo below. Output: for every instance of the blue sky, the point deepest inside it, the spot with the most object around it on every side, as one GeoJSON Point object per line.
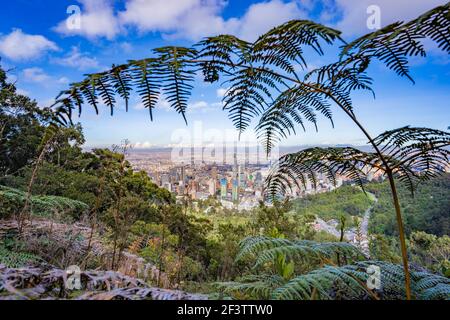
{"type": "Point", "coordinates": [45, 56]}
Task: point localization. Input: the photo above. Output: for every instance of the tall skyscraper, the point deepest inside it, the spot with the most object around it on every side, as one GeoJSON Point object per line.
{"type": "Point", "coordinates": [212, 187]}
{"type": "Point", "coordinates": [235, 191]}
{"type": "Point", "coordinates": [182, 173]}
{"type": "Point", "coordinates": [214, 173]}
{"type": "Point", "coordinates": [223, 188]}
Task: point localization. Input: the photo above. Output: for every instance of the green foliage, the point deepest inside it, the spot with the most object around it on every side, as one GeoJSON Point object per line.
{"type": "Point", "coordinates": [267, 249]}
{"type": "Point", "coordinates": [384, 248]}
{"type": "Point", "coordinates": [431, 252]}
{"type": "Point", "coordinates": [428, 210]}
{"type": "Point", "coordinates": [324, 279]}
{"type": "Point", "coordinates": [222, 247]}
{"type": "Point", "coordinates": [351, 279]}
{"type": "Point", "coordinates": [14, 259]}
{"type": "Point", "coordinates": [344, 201]}
{"type": "Point", "coordinates": [274, 219]}
{"type": "Point", "coordinates": [12, 200]}
{"type": "Point", "coordinates": [22, 125]}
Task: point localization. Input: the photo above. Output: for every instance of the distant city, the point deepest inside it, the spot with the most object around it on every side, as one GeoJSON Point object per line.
{"type": "Point", "coordinates": [236, 185]}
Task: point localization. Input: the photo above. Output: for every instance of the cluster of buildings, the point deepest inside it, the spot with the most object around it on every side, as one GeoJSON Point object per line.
{"type": "Point", "coordinates": [237, 186]}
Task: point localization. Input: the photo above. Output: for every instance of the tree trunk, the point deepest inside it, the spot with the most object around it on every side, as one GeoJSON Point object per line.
{"type": "Point", "coordinates": [401, 232]}
{"type": "Point", "coordinates": [25, 210]}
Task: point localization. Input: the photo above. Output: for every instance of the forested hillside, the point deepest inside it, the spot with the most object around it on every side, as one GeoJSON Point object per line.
{"type": "Point", "coordinates": [428, 209]}
{"type": "Point", "coordinates": [346, 201]}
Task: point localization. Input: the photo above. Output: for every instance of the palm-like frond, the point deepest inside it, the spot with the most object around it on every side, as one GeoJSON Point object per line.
{"type": "Point", "coordinates": [413, 154]}
{"type": "Point", "coordinates": [258, 72]}
{"type": "Point", "coordinates": [327, 281]}
{"type": "Point", "coordinates": [102, 84]}
{"type": "Point", "coordinates": [299, 168]}
{"type": "Point", "coordinates": [293, 107]}
{"type": "Point", "coordinates": [146, 82]}
{"type": "Point", "coordinates": [170, 73]}
{"type": "Point", "coordinates": [353, 278]}
{"type": "Point", "coordinates": [221, 54]}
{"type": "Point", "coordinates": [121, 81]}
{"type": "Point", "coordinates": [266, 249]}
{"type": "Point", "coordinates": [395, 43]}
{"type": "Point", "coordinates": [176, 75]}
{"type": "Point", "coordinates": [282, 46]}
{"type": "Point", "coordinates": [254, 286]}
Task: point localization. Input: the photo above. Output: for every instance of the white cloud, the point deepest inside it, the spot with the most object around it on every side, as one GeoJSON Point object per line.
{"type": "Point", "coordinates": [190, 19]}
{"type": "Point", "coordinates": [63, 80]}
{"type": "Point", "coordinates": [198, 105]}
{"type": "Point", "coordinates": [162, 104]}
{"type": "Point", "coordinates": [39, 76]}
{"type": "Point", "coordinates": [77, 59]}
{"type": "Point", "coordinates": [261, 17]}
{"type": "Point", "coordinates": [157, 14]}
{"type": "Point", "coordinates": [143, 145]}
{"type": "Point", "coordinates": [35, 75]}
{"type": "Point", "coordinates": [194, 19]}
{"type": "Point", "coordinates": [21, 46]}
{"type": "Point", "coordinates": [126, 47]}
{"type": "Point", "coordinates": [221, 92]}
{"type": "Point", "coordinates": [203, 106]}
{"type": "Point", "coordinates": [97, 20]}
{"type": "Point", "coordinates": [354, 13]}
{"type": "Point", "coordinates": [22, 92]}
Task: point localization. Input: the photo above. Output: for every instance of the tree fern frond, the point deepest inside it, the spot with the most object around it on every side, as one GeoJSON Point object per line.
{"type": "Point", "coordinates": [89, 93]}
{"type": "Point", "coordinates": [121, 80]}
{"type": "Point", "coordinates": [412, 154]}
{"type": "Point", "coordinates": [293, 107]}
{"type": "Point", "coordinates": [176, 73]}
{"type": "Point", "coordinates": [105, 89]}
{"type": "Point", "coordinates": [304, 165]}
{"type": "Point", "coordinates": [255, 286]}
{"type": "Point", "coordinates": [395, 43]}
{"type": "Point", "coordinates": [283, 45]}
{"type": "Point", "coordinates": [415, 154]}
{"type": "Point", "coordinates": [267, 249]}
{"type": "Point", "coordinates": [327, 281]}
{"type": "Point", "coordinates": [147, 84]}
{"type": "Point", "coordinates": [353, 278]}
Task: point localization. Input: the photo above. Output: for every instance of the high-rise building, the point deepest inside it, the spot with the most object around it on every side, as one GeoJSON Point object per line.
{"type": "Point", "coordinates": [165, 179]}
{"type": "Point", "coordinates": [182, 173]}
{"type": "Point", "coordinates": [235, 191]}
{"type": "Point", "coordinates": [212, 187]}
{"type": "Point", "coordinates": [214, 173]}
{"type": "Point", "coordinates": [258, 177]}
{"type": "Point", "coordinates": [223, 188]}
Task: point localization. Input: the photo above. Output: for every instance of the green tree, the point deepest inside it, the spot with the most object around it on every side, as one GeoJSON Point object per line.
{"type": "Point", "coordinates": [22, 126]}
